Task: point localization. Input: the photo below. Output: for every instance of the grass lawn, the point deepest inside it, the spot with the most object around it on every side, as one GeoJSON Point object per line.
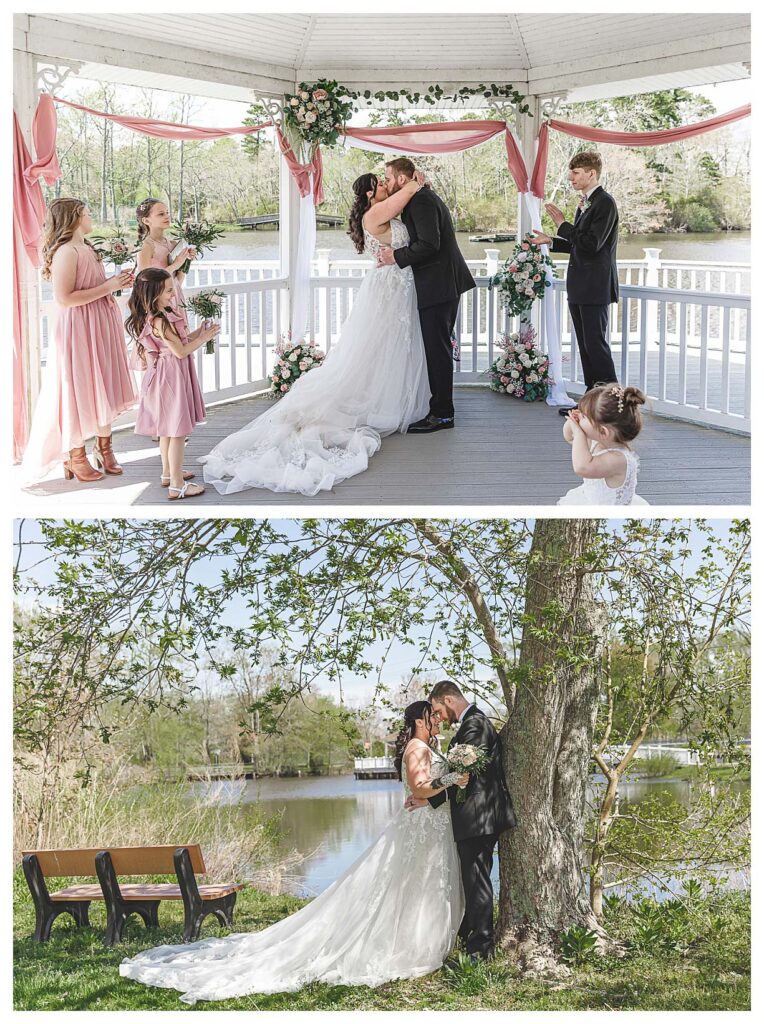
{"type": "Point", "coordinates": [74, 971]}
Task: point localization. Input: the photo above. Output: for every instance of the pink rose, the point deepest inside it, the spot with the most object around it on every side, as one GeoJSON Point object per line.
{"type": "Point", "coordinates": [320, 94]}
{"type": "Point", "coordinates": [285, 387]}
{"type": "Point", "coordinates": [505, 380]}
{"type": "Point", "coordinates": [537, 277]}
{"type": "Point", "coordinates": [525, 246]}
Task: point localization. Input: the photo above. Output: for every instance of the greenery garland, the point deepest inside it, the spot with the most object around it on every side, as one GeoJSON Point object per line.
{"type": "Point", "coordinates": [436, 92]}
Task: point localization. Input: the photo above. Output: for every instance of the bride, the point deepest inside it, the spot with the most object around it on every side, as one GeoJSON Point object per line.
{"type": "Point", "coordinates": [393, 914]}
{"type": "Point", "coordinates": [372, 382]}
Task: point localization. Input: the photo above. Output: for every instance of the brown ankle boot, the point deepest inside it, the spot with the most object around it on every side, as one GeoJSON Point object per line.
{"type": "Point", "coordinates": [103, 453]}
{"type": "Point", "coordinates": [77, 465]}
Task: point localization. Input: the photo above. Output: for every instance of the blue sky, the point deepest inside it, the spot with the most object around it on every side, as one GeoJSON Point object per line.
{"type": "Point", "coordinates": [357, 690]}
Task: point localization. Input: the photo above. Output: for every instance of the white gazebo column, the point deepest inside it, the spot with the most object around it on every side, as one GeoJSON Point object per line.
{"type": "Point", "coordinates": [289, 233]}
{"type": "Point", "coordinates": [527, 131]}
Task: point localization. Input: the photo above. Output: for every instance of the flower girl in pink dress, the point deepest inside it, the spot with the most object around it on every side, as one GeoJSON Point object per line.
{"type": "Point", "coordinates": [153, 220]}
{"type": "Point", "coordinates": [171, 402]}
{"type": "Point", "coordinates": [88, 381]}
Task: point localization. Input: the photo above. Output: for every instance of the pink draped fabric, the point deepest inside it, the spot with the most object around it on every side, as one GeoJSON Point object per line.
{"type": "Point", "coordinates": [424, 139]}
{"type": "Point", "coordinates": [302, 172]}
{"type": "Point", "coordinates": [28, 219]}
{"type": "Point", "coordinates": [168, 129]}
{"type": "Point", "coordinates": [602, 135]}
{"type": "Point", "coordinates": [44, 131]}
{"type": "Point", "coordinates": [445, 137]}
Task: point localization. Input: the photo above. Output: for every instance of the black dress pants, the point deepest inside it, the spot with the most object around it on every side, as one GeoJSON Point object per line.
{"type": "Point", "coordinates": [590, 324]}
{"type": "Point", "coordinates": [476, 861]}
{"type": "Point", "coordinates": [437, 324]}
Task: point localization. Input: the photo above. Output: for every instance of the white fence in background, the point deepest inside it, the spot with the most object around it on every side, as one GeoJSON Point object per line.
{"type": "Point", "coordinates": [681, 331]}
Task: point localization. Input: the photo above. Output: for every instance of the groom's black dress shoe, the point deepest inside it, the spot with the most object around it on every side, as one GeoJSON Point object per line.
{"type": "Point", "coordinates": [430, 424]}
{"type": "Point", "coordinates": [566, 410]}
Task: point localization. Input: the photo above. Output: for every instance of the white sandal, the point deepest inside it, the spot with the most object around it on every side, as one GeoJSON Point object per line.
{"type": "Point", "coordinates": [187, 475]}
{"type": "Point", "coordinates": [180, 492]}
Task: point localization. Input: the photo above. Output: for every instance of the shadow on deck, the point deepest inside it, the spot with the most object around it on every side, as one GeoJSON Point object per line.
{"type": "Point", "coordinates": [502, 452]}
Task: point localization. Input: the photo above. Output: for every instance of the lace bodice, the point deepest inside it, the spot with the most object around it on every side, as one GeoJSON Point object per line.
{"type": "Point", "coordinates": [399, 233]}
{"type": "Point", "coordinates": [437, 760]}
{"type": "Point", "coordinates": [598, 492]}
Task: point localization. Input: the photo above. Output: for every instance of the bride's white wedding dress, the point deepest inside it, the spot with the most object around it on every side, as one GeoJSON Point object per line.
{"type": "Point", "coordinates": [393, 914]}
{"type": "Point", "coordinates": [372, 382]}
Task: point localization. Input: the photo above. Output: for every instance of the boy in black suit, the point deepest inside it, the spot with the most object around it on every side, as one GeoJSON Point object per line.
{"type": "Point", "coordinates": [592, 279]}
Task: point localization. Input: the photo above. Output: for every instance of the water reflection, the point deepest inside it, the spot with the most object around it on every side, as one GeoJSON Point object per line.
{"type": "Point", "coordinates": [330, 821]}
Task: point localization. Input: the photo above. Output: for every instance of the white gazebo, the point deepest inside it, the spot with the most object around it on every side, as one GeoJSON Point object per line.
{"type": "Point", "coordinates": [677, 332]}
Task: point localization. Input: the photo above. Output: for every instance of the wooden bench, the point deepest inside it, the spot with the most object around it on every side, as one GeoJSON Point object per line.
{"type": "Point", "coordinates": [185, 862]}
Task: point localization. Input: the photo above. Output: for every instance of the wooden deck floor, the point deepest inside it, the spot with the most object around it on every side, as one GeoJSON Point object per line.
{"type": "Point", "coordinates": [502, 452]}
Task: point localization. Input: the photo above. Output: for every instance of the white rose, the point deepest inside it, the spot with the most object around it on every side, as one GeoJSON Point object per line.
{"type": "Point", "coordinates": [514, 374]}
{"type": "Point", "coordinates": [310, 117]}
{"type": "Point", "coordinates": [304, 95]}
{"type": "Point", "coordinates": [294, 102]}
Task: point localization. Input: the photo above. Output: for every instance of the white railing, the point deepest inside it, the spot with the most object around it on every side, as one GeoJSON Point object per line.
{"type": "Point", "coordinates": [366, 764]}
{"type": "Point", "coordinates": [688, 348]}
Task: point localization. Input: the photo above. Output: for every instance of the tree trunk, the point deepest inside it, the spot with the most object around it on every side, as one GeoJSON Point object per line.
{"type": "Point", "coordinates": [547, 747]}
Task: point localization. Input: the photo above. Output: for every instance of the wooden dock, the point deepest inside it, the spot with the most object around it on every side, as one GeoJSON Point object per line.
{"type": "Point", "coordinates": [503, 452]}
{"type": "Point", "coordinates": [327, 220]}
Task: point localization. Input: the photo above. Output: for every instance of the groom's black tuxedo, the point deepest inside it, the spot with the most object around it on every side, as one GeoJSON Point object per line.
{"type": "Point", "coordinates": [477, 823]}
{"type": "Point", "coordinates": [440, 277]}
{"type": "Point", "coordinates": [592, 281]}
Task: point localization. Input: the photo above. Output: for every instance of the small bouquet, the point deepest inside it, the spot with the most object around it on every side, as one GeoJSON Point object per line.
{"type": "Point", "coordinates": [318, 112]}
{"type": "Point", "coordinates": [463, 759]}
{"type": "Point", "coordinates": [293, 359]}
{"type": "Point", "coordinates": [198, 233]}
{"type": "Point", "coordinates": [523, 277]}
{"type": "Point", "coordinates": [521, 369]}
{"type": "Point", "coordinates": [207, 305]}
{"type": "Point", "coordinates": [114, 249]}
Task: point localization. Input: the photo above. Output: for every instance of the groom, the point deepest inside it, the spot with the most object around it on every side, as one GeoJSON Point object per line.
{"type": "Point", "coordinates": [440, 277]}
{"type": "Point", "coordinates": [477, 823]}
{"type": "Point", "coordinates": [592, 278]}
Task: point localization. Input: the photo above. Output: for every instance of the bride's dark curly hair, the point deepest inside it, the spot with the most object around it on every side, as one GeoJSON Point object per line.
{"type": "Point", "coordinates": [419, 709]}
{"type": "Point", "coordinates": [366, 183]}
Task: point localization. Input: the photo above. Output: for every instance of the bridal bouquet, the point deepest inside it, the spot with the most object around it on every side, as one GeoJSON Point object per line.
{"type": "Point", "coordinates": [199, 233]}
{"type": "Point", "coordinates": [521, 369]}
{"type": "Point", "coordinates": [293, 359]}
{"type": "Point", "coordinates": [522, 279]}
{"type": "Point", "coordinates": [207, 305]}
{"type": "Point", "coordinates": [463, 759]}
{"type": "Point", "coordinates": [114, 249]}
{"type": "Point", "coordinates": [318, 112]}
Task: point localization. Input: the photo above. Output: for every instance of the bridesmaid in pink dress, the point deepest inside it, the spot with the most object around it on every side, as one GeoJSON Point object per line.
{"type": "Point", "coordinates": [153, 220]}
{"type": "Point", "coordinates": [88, 382]}
{"type": "Point", "coordinates": [171, 402]}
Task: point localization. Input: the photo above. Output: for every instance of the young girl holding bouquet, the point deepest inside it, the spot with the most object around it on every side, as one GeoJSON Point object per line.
{"type": "Point", "coordinates": [153, 220]}
{"type": "Point", "coordinates": [88, 382]}
{"type": "Point", "coordinates": [171, 402]}
{"type": "Point", "coordinates": [608, 418]}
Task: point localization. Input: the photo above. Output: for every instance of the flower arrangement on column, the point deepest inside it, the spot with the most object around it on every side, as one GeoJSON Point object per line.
{"type": "Point", "coordinates": [522, 279]}
{"type": "Point", "coordinates": [317, 113]}
{"type": "Point", "coordinates": [521, 369]}
{"type": "Point", "coordinates": [292, 360]}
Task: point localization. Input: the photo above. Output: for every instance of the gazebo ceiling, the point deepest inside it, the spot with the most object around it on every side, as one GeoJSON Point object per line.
{"type": "Point", "coordinates": [585, 55]}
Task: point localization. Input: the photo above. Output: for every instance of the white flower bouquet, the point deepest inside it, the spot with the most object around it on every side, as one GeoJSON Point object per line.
{"type": "Point", "coordinates": [463, 759]}
{"type": "Point", "coordinates": [293, 359]}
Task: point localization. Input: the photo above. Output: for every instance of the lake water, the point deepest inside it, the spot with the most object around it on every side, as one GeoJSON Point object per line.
{"type": "Point", "coordinates": [732, 246]}
{"type": "Point", "coordinates": [331, 820]}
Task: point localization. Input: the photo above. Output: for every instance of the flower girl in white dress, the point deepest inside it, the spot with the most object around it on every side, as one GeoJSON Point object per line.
{"type": "Point", "coordinates": [599, 431]}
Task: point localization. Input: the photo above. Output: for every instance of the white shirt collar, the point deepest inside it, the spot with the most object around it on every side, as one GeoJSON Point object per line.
{"type": "Point", "coordinates": [588, 195]}
{"type": "Point", "coordinates": [461, 716]}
